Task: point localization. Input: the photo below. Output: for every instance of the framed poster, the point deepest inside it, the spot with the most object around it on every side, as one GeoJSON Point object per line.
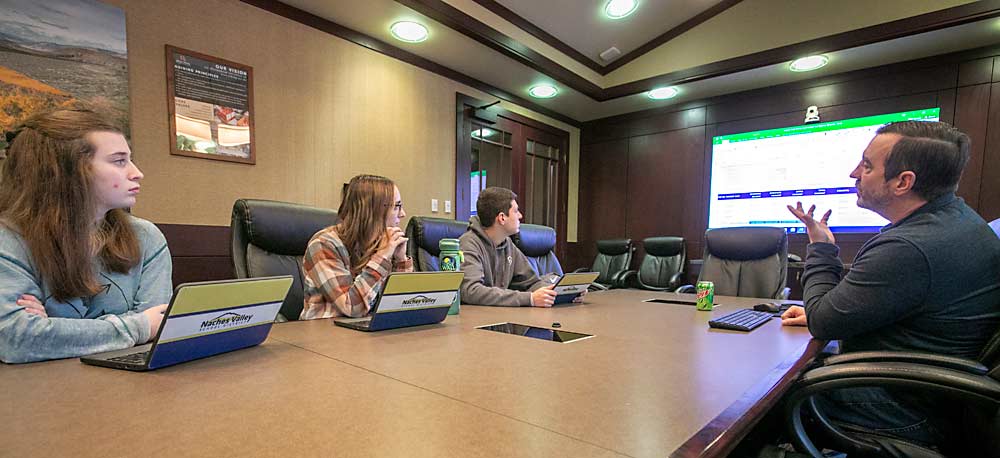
{"type": "Point", "coordinates": [210, 106]}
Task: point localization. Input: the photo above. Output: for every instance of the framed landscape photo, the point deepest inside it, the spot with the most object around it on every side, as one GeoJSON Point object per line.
{"type": "Point", "coordinates": [210, 106]}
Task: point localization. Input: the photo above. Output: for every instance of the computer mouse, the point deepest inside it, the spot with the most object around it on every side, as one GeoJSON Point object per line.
{"type": "Point", "coordinates": [771, 307]}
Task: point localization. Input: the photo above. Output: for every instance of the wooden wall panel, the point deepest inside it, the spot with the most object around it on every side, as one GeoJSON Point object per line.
{"type": "Point", "coordinates": [665, 159]}
{"type": "Point", "coordinates": [603, 182]}
{"type": "Point", "coordinates": [971, 116]}
{"type": "Point", "coordinates": [664, 184]}
{"type": "Point", "coordinates": [975, 71]}
{"type": "Point", "coordinates": [989, 191]}
{"type": "Point", "coordinates": [199, 253]}
{"type": "Point", "coordinates": [777, 100]}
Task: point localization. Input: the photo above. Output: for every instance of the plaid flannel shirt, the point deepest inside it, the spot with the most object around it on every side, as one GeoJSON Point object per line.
{"type": "Point", "coordinates": [330, 288]}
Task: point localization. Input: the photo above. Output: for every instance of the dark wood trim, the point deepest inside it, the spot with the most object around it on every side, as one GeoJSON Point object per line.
{"type": "Point", "coordinates": [928, 22]}
{"type": "Point", "coordinates": [917, 64]}
{"type": "Point", "coordinates": [358, 38]}
{"type": "Point", "coordinates": [689, 24]}
{"type": "Point", "coordinates": [457, 20]}
{"type": "Point", "coordinates": [721, 435]}
{"type": "Point", "coordinates": [540, 34]}
{"type": "Point", "coordinates": [196, 240]}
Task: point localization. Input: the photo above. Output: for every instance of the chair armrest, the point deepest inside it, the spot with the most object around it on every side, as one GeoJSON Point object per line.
{"type": "Point", "coordinates": [629, 279]}
{"type": "Point", "coordinates": [582, 269]}
{"type": "Point", "coordinates": [934, 381]}
{"type": "Point", "coordinates": [617, 280]}
{"type": "Point", "coordinates": [675, 280]}
{"type": "Point", "coordinates": [946, 362]}
{"type": "Point", "coordinates": [686, 289]}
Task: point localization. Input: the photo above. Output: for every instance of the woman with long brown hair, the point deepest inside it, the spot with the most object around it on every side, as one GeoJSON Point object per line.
{"type": "Point", "coordinates": [345, 264]}
{"type": "Point", "coordinates": [78, 274]}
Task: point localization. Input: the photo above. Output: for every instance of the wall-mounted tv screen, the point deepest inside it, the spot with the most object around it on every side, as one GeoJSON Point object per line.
{"type": "Point", "coordinates": [756, 174]}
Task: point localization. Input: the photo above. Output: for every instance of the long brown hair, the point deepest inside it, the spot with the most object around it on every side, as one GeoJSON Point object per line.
{"type": "Point", "coordinates": [47, 198]}
{"type": "Point", "coordinates": [363, 210]}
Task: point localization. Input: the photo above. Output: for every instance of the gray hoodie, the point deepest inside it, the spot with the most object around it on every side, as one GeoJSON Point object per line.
{"type": "Point", "coordinates": [495, 274]}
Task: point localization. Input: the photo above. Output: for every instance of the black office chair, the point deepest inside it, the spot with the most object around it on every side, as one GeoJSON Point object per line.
{"type": "Point", "coordinates": [662, 268]}
{"type": "Point", "coordinates": [972, 385]}
{"type": "Point", "coordinates": [424, 233]}
{"type": "Point", "coordinates": [612, 261]}
{"type": "Point", "coordinates": [269, 238]}
{"type": "Point", "coordinates": [537, 243]}
{"type": "Point", "coordinates": [745, 262]}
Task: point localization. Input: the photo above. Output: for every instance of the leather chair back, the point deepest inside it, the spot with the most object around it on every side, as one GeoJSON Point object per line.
{"type": "Point", "coordinates": [746, 261]}
{"type": "Point", "coordinates": [663, 264]}
{"type": "Point", "coordinates": [424, 234]}
{"type": "Point", "coordinates": [613, 257]}
{"type": "Point", "coordinates": [537, 243]}
{"type": "Point", "coordinates": [269, 238]}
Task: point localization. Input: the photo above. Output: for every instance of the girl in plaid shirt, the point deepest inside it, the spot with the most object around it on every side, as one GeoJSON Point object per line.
{"type": "Point", "coordinates": [345, 264]}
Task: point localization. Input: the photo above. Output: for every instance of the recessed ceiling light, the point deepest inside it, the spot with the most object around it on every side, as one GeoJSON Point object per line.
{"type": "Point", "coordinates": [661, 93]}
{"type": "Point", "coordinates": [808, 63]}
{"type": "Point", "coordinates": [543, 91]}
{"type": "Point", "coordinates": [409, 31]}
{"type": "Point", "coordinates": [617, 9]}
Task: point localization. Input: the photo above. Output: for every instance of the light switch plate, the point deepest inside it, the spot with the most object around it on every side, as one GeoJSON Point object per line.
{"type": "Point", "coordinates": [447, 206]}
{"type": "Point", "coordinates": [434, 205]}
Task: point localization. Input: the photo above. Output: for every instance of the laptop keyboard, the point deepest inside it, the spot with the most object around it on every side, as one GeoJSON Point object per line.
{"type": "Point", "coordinates": [741, 320]}
{"type": "Point", "coordinates": [133, 358]}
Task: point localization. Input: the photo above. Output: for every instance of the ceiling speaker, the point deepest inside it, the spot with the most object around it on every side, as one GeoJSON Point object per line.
{"type": "Point", "coordinates": [612, 53]}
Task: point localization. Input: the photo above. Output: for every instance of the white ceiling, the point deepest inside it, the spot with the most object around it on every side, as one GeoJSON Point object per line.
{"type": "Point", "coordinates": [458, 52]}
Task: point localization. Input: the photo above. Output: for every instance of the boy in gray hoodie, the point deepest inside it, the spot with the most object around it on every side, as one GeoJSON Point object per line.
{"type": "Point", "coordinates": [496, 271]}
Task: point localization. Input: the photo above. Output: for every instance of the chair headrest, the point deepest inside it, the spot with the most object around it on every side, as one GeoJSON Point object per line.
{"type": "Point", "coordinates": [429, 231]}
{"type": "Point", "coordinates": [614, 247]}
{"type": "Point", "coordinates": [663, 246]}
{"type": "Point", "coordinates": [745, 243]}
{"type": "Point", "coordinates": [280, 227]}
{"type": "Point", "coordinates": [535, 240]}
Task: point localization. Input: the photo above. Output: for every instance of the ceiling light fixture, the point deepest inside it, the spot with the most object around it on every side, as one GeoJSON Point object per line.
{"type": "Point", "coordinates": [661, 93]}
{"type": "Point", "coordinates": [543, 91]}
{"type": "Point", "coordinates": [617, 9]}
{"type": "Point", "coordinates": [409, 31]}
{"type": "Point", "coordinates": [806, 64]}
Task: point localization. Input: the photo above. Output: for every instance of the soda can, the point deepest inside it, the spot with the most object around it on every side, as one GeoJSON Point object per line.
{"type": "Point", "coordinates": [706, 295]}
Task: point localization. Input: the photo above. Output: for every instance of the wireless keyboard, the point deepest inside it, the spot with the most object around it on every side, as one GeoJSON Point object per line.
{"type": "Point", "coordinates": [741, 320]}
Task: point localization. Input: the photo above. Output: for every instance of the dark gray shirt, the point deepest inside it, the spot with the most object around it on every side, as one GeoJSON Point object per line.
{"type": "Point", "coordinates": [929, 283]}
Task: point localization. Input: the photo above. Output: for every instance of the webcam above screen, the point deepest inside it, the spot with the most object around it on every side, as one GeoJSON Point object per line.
{"type": "Point", "coordinates": [756, 174]}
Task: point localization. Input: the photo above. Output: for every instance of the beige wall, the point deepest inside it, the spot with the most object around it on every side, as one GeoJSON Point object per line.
{"type": "Point", "coordinates": [325, 110]}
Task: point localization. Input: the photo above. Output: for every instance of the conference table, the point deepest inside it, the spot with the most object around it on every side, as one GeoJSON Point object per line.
{"type": "Point", "coordinates": [653, 380]}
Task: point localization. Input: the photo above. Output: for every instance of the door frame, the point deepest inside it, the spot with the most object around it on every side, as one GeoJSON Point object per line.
{"type": "Point", "coordinates": [464, 106]}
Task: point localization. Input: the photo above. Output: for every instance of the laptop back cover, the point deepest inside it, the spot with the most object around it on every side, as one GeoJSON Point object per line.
{"type": "Point", "coordinates": [209, 318]}
{"type": "Point", "coordinates": [572, 284]}
{"type": "Point", "coordinates": [414, 299]}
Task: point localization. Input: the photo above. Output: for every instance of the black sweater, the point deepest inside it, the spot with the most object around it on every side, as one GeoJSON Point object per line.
{"type": "Point", "coordinates": [929, 283]}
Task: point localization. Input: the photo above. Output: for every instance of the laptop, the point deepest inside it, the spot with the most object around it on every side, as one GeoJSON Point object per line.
{"type": "Point", "coordinates": [571, 285]}
{"type": "Point", "coordinates": [205, 319]}
{"type": "Point", "coordinates": [409, 299]}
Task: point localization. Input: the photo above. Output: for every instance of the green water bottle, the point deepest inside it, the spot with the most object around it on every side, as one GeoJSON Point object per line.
{"type": "Point", "coordinates": [451, 259]}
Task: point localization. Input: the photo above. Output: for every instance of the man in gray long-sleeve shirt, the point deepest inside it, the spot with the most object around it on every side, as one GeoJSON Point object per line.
{"type": "Point", "coordinates": [928, 282]}
{"type": "Point", "coordinates": [496, 271]}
